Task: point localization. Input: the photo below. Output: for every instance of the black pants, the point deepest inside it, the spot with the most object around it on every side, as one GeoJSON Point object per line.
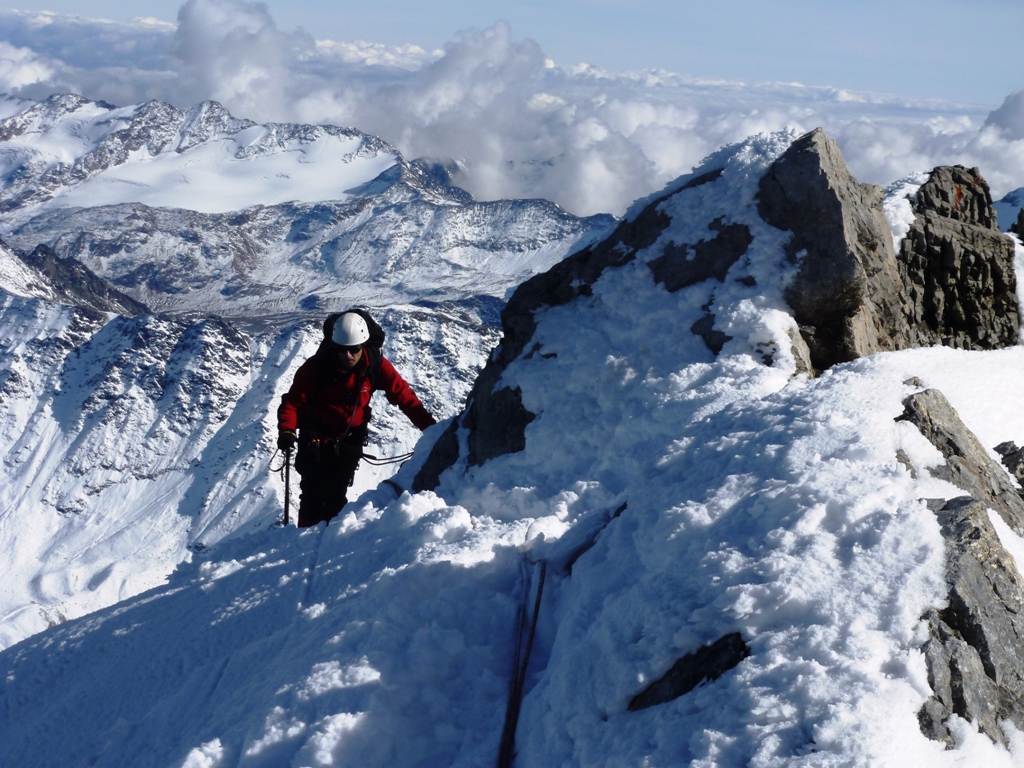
{"type": "Point", "coordinates": [326, 467]}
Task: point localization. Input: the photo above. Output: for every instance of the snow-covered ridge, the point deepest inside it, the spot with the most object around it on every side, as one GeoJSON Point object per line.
{"type": "Point", "coordinates": [17, 278]}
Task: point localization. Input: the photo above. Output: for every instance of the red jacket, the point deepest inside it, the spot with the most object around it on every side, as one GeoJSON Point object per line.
{"type": "Point", "coordinates": [332, 400]}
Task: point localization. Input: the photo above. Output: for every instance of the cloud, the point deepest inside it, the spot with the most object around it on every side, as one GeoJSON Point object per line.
{"type": "Point", "coordinates": [1008, 119]}
{"type": "Point", "coordinates": [517, 124]}
{"type": "Point", "coordinates": [20, 67]}
{"type": "Point", "coordinates": [233, 52]}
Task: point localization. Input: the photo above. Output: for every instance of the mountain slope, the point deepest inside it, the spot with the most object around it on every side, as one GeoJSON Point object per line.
{"type": "Point", "coordinates": [664, 496]}
{"type": "Point", "coordinates": [67, 151]}
{"type": "Point", "coordinates": [199, 211]}
{"type": "Point", "coordinates": [128, 441]}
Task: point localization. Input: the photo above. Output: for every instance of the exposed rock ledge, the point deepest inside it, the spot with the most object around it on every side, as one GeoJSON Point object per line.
{"type": "Point", "coordinates": [952, 282]}
{"type": "Point", "coordinates": [974, 652]}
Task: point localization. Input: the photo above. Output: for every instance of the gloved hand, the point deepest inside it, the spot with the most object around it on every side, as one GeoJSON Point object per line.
{"type": "Point", "coordinates": [286, 440]}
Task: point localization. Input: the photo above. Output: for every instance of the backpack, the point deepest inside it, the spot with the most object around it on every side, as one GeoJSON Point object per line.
{"type": "Point", "coordinates": [372, 346]}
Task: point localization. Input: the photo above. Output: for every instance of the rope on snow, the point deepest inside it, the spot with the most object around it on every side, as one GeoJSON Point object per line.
{"type": "Point", "coordinates": [520, 664]}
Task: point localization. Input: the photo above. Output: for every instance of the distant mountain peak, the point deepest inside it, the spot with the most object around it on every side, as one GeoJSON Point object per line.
{"type": "Point", "coordinates": [67, 151]}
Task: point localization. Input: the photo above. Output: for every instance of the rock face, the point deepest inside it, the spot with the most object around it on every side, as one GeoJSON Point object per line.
{"type": "Point", "coordinates": [968, 465]}
{"type": "Point", "coordinates": [957, 267]}
{"type": "Point", "coordinates": [1013, 459]}
{"type": "Point", "coordinates": [74, 283]}
{"type": "Point", "coordinates": [952, 283]}
{"type": "Point", "coordinates": [974, 665]}
{"type": "Point", "coordinates": [974, 647]}
{"type": "Point", "coordinates": [1018, 226]}
{"type": "Point", "coordinates": [846, 295]}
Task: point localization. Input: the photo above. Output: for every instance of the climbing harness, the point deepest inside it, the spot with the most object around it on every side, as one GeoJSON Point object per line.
{"type": "Point", "coordinates": [520, 664]}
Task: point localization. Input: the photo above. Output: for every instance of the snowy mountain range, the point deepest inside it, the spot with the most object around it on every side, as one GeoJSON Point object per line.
{"type": "Point", "coordinates": [701, 438]}
{"type": "Point", "coordinates": [195, 209]}
{"type": "Point", "coordinates": [131, 438]}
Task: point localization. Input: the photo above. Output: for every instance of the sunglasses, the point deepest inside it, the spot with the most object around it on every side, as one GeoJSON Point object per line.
{"type": "Point", "coordinates": [350, 350]}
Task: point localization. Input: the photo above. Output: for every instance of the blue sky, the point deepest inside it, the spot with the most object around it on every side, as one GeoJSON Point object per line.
{"type": "Point", "coordinates": [949, 49]}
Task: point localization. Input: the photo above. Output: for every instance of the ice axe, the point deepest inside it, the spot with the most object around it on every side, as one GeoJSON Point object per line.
{"type": "Point", "coordinates": [287, 482]}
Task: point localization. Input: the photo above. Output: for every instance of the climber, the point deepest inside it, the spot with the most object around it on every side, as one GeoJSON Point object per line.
{"type": "Point", "coordinates": [327, 411]}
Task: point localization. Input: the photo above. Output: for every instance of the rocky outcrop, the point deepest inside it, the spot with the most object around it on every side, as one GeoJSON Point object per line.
{"type": "Point", "coordinates": [1017, 227]}
{"type": "Point", "coordinates": [952, 282]}
{"type": "Point", "coordinates": [846, 295]}
{"type": "Point", "coordinates": [683, 265]}
{"type": "Point", "coordinates": [967, 463]}
{"type": "Point", "coordinates": [73, 283]}
{"type": "Point", "coordinates": [974, 648]}
{"type": "Point", "coordinates": [1013, 459]}
{"type": "Point", "coordinates": [703, 665]}
{"type": "Point", "coordinates": [974, 652]}
{"type": "Point", "coordinates": [957, 267]}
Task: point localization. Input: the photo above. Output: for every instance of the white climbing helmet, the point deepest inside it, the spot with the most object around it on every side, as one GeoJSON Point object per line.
{"type": "Point", "coordinates": [350, 330]}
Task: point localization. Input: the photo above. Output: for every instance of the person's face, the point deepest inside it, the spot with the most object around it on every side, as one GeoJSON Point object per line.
{"type": "Point", "coordinates": [349, 356]}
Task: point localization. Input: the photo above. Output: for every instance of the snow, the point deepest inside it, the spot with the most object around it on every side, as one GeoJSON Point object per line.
{"type": "Point", "coordinates": [228, 171]}
{"type": "Point", "coordinates": [1008, 208]}
{"type": "Point", "coordinates": [206, 180]}
{"type": "Point", "coordinates": [130, 442]}
{"type": "Point", "coordinates": [330, 217]}
{"type": "Point", "coordinates": [674, 496]}
{"type": "Point", "coordinates": [17, 278]}
{"type": "Point", "coordinates": [897, 206]}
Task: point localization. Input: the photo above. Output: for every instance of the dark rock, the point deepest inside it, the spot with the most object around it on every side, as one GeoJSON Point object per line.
{"type": "Point", "coordinates": [705, 328]}
{"type": "Point", "coordinates": [957, 267]}
{"type": "Point", "coordinates": [443, 455]}
{"type": "Point", "coordinates": [846, 294]}
{"type": "Point", "coordinates": [706, 664]}
{"type": "Point", "coordinates": [968, 465]}
{"type": "Point", "coordinates": [974, 652]}
{"type": "Point", "coordinates": [683, 265]}
{"type": "Point", "coordinates": [504, 407]}
{"type": "Point", "coordinates": [1013, 459]}
{"type": "Point", "coordinates": [76, 284]}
